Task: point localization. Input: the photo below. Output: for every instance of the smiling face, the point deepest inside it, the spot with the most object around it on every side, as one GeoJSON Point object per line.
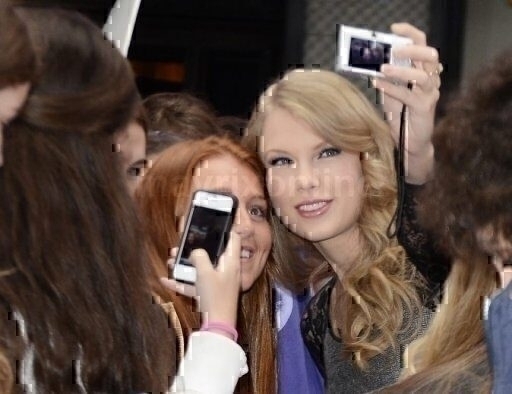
{"type": "Point", "coordinates": [227, 174]}
{"type": "Point", "coordinates": [316, 188]}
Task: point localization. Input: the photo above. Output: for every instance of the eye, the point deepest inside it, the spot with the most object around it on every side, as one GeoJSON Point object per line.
{"type": "Point", "coordinates": [329, 152]}
{"type": "Point", "coordinates": [259, 211]}
{"type": "Point", "coordinates": [280, 161]}
{"type": "Point", "coordinates": [137, 169]}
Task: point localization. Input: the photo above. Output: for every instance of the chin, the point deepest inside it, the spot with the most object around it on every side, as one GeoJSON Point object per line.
{"type": "Point", "coordinates": [312, 236]}
{"type": "Point", "coordinates": [246, 284]}
{"type": "Point", "coordinates": [244, 287]}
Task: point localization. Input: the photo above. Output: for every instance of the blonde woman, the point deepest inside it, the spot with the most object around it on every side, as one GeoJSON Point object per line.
{"type": "Point", "coordinates": [331, 178]}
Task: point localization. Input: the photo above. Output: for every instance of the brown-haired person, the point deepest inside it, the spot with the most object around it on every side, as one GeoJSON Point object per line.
{"type": "Point", "coordinates": [467, 205]}
{"type": "Point", "coordinates": [234, 126]}
{"type": "Point", "coordinates": [17, 66]}
{"type": "Point", "coordinates": [131, 145]}
{"type": "Point", "coordinates": [173, 117]}
{"type": "Point", "coordinates": [218, 164]}
{"type": "Point", "coordinates": [78, 314]}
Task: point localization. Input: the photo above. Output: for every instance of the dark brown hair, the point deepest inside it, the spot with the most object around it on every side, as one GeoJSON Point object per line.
{"type": "Point", "coordinates": [472, 186]}
{"type": "Point", "coordinates": [176, 116]}
{"type": "Point", "coordinates": [17, 63]}
{"type": "Point", "coordinates": [470, 191]}
{"type": "Point", "coordinates": [163, 199]}
{"type": "Point", "coordinates": [234, 126]}
{"type": "Point", "coordinates": [74, 289]}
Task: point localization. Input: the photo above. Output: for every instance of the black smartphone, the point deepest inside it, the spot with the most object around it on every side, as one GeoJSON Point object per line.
{"type": "Point", "coordinates": [207, 227]}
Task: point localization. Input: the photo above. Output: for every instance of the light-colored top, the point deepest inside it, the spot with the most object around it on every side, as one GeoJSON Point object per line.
{"type": "Point", "coordinates": [213, 364]}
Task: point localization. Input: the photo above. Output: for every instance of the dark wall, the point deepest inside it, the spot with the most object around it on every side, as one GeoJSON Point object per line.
{"type": "Point", "coordinates": [229, 50]}
{"type": "Point", "coordinates": [226, 51]}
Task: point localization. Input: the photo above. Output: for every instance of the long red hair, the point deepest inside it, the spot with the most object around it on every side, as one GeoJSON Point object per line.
{"type": "Point", "coordinates": [163, 198]}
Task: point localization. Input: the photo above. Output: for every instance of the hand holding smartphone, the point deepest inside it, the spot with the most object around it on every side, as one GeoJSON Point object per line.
{"type": "Point", "coordinates": [207, 227]}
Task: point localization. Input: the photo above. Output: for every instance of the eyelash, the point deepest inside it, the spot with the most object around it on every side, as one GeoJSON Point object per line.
{"type": "Point", "coordinates": [280, 161]}
{"type": "Point", "coordinates": [332, 152]}
{"type": "Point", "coordinates": [283, 161]}
{"type": "Point", "coordinates": [262, 211]}
{"type": "Point", "coordinates": [137, 170]}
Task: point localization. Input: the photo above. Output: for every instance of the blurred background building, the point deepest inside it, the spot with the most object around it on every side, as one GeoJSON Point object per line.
{"type": "Point", "coordinates": [227, 51]}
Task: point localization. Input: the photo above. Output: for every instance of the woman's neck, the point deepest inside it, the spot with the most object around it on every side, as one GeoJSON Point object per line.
{"type": "Point", "coordinates": [342, 250]}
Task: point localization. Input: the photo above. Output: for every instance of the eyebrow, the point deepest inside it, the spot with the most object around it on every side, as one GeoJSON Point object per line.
{"type": "Point", "coordinates": [140, 162]}
{"type": "Point", "coordinates": [262, 198]}
{"type": "Point", "coordinates": [321, 144]}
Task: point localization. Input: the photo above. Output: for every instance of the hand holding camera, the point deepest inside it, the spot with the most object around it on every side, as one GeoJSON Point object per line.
{"type": "Point", "coordinates": [363, 51]}
{"type": "Point", "coordinates": [404, 57]}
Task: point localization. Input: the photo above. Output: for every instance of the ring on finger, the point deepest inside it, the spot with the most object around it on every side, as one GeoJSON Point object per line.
{"type": "Point", "coordinates": [437, 70]}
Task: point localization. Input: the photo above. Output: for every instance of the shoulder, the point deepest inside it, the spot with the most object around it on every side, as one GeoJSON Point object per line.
{"type": "Point", "coordinates": [315, 323]}
{"type": "Point", "coordinates": [318, 306]}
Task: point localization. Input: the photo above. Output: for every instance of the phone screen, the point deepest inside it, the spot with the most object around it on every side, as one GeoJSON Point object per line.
{"type": "Point", "coordinates": [207, 230]}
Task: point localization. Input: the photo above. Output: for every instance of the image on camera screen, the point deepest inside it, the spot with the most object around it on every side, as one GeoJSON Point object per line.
{"type": "Point", "coordinates": [368, 54]}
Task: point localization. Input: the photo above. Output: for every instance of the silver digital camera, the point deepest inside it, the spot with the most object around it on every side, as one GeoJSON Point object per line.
{"type": "Point", "coordinates": [363, 51]}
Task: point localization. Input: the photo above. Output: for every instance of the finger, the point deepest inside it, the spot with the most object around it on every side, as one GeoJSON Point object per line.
{"type": "Point", "coordinates": [200, 259]}
{"type": "Point", "coordinates": [408, 30]}
{"type": "Point", "coordinates": [408, 74]}
{"type": "Point", "coordinates": [416, 53]}
{"type": "Point", "coordinates": [178, 287]}
{"type": "Point", "coordinates": [420, 102]}
{"type": "Point", "coordinates": [174, 252]}
{"type": "Point", "coordinates": [170, 263]}
{"type": "Point", "coordinates": [230, 259]}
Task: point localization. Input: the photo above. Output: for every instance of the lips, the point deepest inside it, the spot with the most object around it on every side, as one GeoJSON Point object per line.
{"type": "Point", "coordinates": [313, 208]}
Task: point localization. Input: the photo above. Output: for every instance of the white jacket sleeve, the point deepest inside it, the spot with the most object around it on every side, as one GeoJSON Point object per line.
{"type": "Point", "coordinates": [212, 364]}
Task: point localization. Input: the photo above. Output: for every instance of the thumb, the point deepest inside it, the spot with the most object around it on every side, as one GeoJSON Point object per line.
{"type": "Point", "coordinates": [200, 260]}
{"type": "Point", "coordinates": [230, 259]}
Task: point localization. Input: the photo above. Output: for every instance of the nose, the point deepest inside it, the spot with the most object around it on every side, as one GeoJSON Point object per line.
{"type": "Point", "coordinates": [243, 224]}
{"type": "Point", "coordinates": [307, 177]}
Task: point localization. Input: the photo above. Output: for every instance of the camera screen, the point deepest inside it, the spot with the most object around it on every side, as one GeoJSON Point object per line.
{"type": "Point", "coordinates": [207, 231]}
{"type": "Point", "coordinates": [368, 54]}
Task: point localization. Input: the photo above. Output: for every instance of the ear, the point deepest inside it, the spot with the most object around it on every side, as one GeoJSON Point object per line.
{"type": "Point", "coordinates": [491, 239]}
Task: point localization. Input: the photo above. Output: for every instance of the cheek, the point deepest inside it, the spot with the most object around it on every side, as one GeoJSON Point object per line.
{"type": "Point", "coordinates": [263, 236]}
{"type": "Point", "coordinates": [278, 186]}
{"type": "Point", "coordinates": [132, 184]}
{"type": "Point", "coordinates": [348, 186]}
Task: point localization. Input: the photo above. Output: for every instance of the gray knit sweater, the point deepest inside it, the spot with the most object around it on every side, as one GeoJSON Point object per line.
{"type": "Point", "coordinates": [341, 373]}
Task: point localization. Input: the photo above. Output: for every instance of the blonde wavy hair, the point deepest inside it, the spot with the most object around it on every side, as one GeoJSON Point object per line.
{"type": "Point", "coordinates": [373, 296]}
{"type": "Point", "coordinates": [452, 355]}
